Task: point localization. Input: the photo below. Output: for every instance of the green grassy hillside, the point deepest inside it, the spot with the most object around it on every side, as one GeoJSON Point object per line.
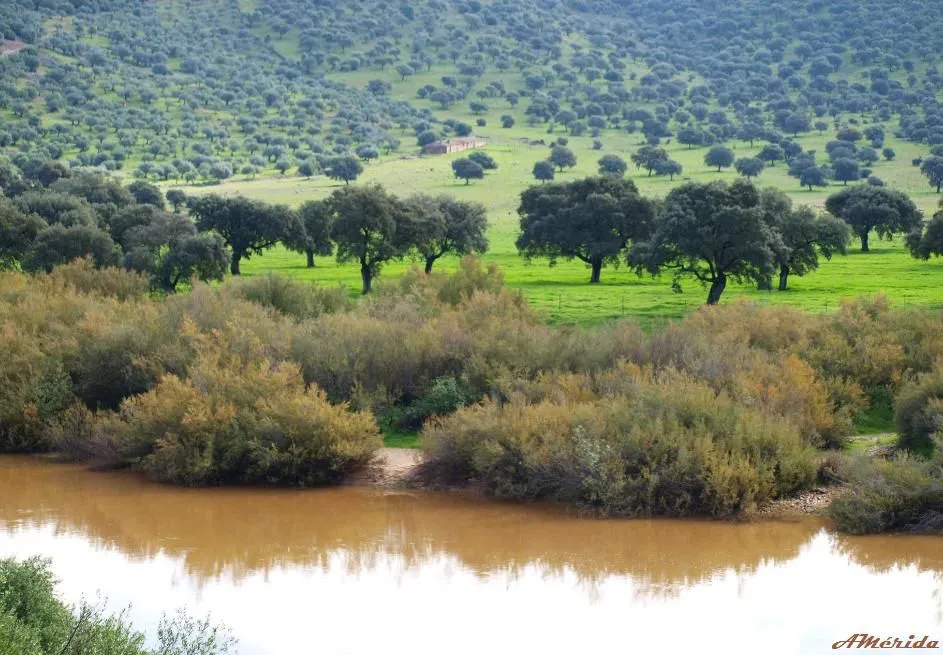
{"type": "Point", "coordinates": [563, 292]}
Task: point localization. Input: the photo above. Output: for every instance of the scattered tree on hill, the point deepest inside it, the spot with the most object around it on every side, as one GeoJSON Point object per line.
{"type": "Point", "coordinates": [306, 170]}
{"type": "Point", "coordinates": [345, 167]}
{"type": "Point", "coordinates": [771, 153]}
{"type": "Point", "coordinates": [248, 227]}
{"type": "Point", "coordinates": [749, 166]}
{"type": "Point", "coordinates": [720, 157]}
{"type": "Point", "coordinates": [649, 157]}
{"type": "Point", "coordinates": [468, 170]}
{"type": "Point", "coordinates": [869, 208]}
{"type": "Point", "coordinates": [371, 227]}
{"type": "Point", "coordinates": [813, 176]}
{"type": "Point", "coordinates": [846, 170]}
{"type": "Point", "coordinates": [796, 123]}
{"type": "Point", "coordinates": [146, 194]}
{"type": "Point", "coordinates": [18, 231]}
{"type": "Point", "coordinates": [543, 171]}
{"type": "Point", "coordinates": [668, 167]}
{"type": "Point", "coordinates": [170, 250]}
{"type": "Point", "coordinates": [562, 157]}
{"type": "Point", "coordinates": [592, 220]}
{"type": "Point", "coordinates": [932, 168]}
{"type": "Point", "coordinates": [612, 165]}
{"type": "Point", "coordinates": [713, 232]}
{"type": "Point", "coordinates": [484, 160]}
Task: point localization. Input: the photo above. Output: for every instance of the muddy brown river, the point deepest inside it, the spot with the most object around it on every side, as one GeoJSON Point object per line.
{"type": "Point", "coordinates": [361, 571]}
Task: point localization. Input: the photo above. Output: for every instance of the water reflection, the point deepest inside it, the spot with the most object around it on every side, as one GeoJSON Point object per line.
{"type": "Point", "coordinates": [355, 564]}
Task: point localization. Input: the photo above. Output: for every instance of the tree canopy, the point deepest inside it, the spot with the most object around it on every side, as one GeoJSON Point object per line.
{"type": "Point", "coordinates": [869, 209]}
{"type": "Point", "coordinates": [592, 220]}
{"type": "Point", "coordinates": [371, 227]}
{"type": "Point", "coordinates": [712, 232]}
{"type": "Point", "coordinates": [248, 227]}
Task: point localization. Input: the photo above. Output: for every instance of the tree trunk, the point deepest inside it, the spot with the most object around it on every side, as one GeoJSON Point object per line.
{"type": "Point", "coordinates": [717, 288]}
{"type": "Point", "coordinates": [783, 277]}
{"type": "Point", "coordinates": [234, 264]}
{"type": "Point", "coordinates": [310, 254]}
{"type": "Point", "coordinates": [864, 241]}
{"type": "Point", "coordinates": [367, 276]}
{"type": "Point", "coordinates": [596, 265]}
{"type": "Point", "coordinates": [429, 262]}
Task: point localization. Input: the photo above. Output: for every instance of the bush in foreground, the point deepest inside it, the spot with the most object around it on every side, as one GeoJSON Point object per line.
{"type": "Point", "coordinates": [900, 495]}
{"type": "Point", "coordinates": [918, 413]}
{"type": "Point", "coordinates": [653, 444]}
{"type": "Point", "coordinates": [34, 622]}
{"type": "Point", "coordinates": [234, 420]}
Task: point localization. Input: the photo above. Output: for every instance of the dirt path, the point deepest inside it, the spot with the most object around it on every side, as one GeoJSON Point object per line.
{"type": "Point", "coordinates": [391, 467]}
{"type": "Point", "coordinates": [10, 47]}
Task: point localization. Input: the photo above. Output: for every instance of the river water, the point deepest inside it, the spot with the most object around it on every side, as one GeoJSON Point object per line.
{"type": "Point", "coordinates": [361, 571]}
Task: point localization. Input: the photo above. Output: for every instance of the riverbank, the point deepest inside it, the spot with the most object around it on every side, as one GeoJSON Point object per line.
{"type": "Point", "coordinates": [400, 467]}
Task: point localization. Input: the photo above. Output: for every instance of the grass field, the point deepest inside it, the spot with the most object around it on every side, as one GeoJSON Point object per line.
{"type": "Point", "coordinates": [562, 293]}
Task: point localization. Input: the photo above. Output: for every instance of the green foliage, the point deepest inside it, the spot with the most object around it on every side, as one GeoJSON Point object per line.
{"type": "Point", "coordinates": [34, 622]}
{"type": "Point", "coordinates": [544, 171]}
{"type": "Point", "coordinates": [749, 166]}
{"type": "Point", "coordinates": [344, 168]}
{"type": "Point", "coordinates": [612, 165]}
{"type": "Point", "coordinates": [868, 208]}
{"type": "Point", "coordinates": [445, 396]}
{"type": "Point", "coordinates": [720, 157]}
{"type": "Point", "coordinates": [446, 225]}
{"type": "Point", "coordinates": [901, 495]}
{"type": "Point", "coordinates": [371, 227]}
{"type": "Point", "coordinates": [467, 169]}
{"type": "Point", "coordinates": [712, 232]}
{"type": "Point", "coordinates": [805, 236]}
{"type": "Point", "coordinates": [562, 157]}
{"type": "Point", "coordinates": [918, 412]}
{"type": "Point", "coordinates": [932, 168]}
{"type": "Point", "coordinates": [927, 241]}
{"type": "Point", "coordinates": [247, 226]}
{"type": "Point", "coordinates": [60, 245]}
{"type": "Point", "coordinates": [592, 220]}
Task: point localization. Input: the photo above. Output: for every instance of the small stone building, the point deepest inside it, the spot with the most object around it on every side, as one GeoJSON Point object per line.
{"type": "Point", "coordinates": [454, 145]}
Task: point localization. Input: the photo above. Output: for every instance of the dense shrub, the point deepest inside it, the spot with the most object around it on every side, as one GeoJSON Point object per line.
{"type": "Point", "coordinates": [79, 344]}
{"type": "Point", "coordinates": [118, 283]}
{"type": "Point", "coordinates": [900, 495]}
{"type": "Point", "coordinates": [34, 622]}
{"type": "Point", "coordinates": [445, 396]}
{"type": "Point", "coordinates": [291, 298]}
{"type": "Point", "coordinates": [236, 420]}
{"type": "Point", "coordinates": [918, 412]}
{"type": "Point", "coordinates": [657, 444]}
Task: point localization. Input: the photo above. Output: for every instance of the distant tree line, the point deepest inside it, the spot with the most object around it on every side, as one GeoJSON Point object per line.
{"type": "Point", "coordinates": [713, 232]}
{"type": "Point", "coordinates": [54, 216]}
